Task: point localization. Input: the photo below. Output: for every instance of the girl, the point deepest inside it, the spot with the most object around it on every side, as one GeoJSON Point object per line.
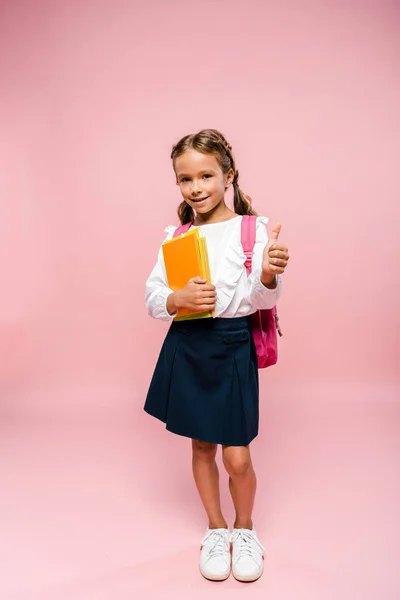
{"type": "Point", "coordinates": [205, 385]}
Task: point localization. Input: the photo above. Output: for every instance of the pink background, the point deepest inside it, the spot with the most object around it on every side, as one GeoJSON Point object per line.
{"type": "Point", "coordinates": [97, 500]}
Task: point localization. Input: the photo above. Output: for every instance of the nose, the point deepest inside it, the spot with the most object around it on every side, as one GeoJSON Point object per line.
{"type": "Point", "coordinates": [196, 188]}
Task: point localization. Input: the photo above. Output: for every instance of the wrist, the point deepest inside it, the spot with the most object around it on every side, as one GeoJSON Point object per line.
{"type": "Point", "coordinates": [172, 304]}
{"type": "Point", "coordinates": [268, 280]}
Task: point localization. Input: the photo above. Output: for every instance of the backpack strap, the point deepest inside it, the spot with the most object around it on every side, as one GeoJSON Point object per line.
{"type": "Point", "coordinates": [248, 239]}
{"type": "Point", "coordinates": [182, 229]}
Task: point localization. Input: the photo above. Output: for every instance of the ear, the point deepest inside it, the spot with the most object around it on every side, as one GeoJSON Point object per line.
{"type": "Point", "coordinates": [229, 178]}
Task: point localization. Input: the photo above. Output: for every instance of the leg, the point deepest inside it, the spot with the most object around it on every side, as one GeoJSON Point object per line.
{"type": "Point", "coordinates": [242, 483]}
{"type": "Point", "coordinates": [206, 476]}
{"type": "Point", "coordinates": [247, 551]}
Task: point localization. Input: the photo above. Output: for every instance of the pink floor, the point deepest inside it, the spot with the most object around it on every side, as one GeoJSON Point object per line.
{"type": "Point", "coordinates": [88, 511]}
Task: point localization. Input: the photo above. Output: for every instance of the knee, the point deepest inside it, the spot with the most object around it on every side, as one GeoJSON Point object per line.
{"type": "Point", "coordinates": [237, 466]}
{"type": "Point", "coordinates": [204, 450]}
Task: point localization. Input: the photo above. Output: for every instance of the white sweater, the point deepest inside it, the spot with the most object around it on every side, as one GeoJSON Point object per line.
{"type": "Point", "coordinates": [237, 294]}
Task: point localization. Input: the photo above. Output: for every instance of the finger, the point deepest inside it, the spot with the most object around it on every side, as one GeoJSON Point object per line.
{"type": "Point", "coordinates": [208, 288]}
{"type": "Point", "coordinates": [198, 280]}
{"type": "Point", "coordinates": [204, 307]}
{"type": "Point", "coordinates": [201, 293]}
{"type": "Point", "coordinates": [278, 254]}
{"type": "Point", "coordinates": [277, 270]}
{"type": "Point", "coordinates": [279, 247]}
{"type": "Point", "coordinates": [278, 262]}
{"type": "Point", "coordinates": [206, 298]}
{"type": "Point", "coordinates": [278, 259]}
{"type": "Point", "coordinates": [275, 232]}
{"type": "Point", "coordinates": [207, 302]}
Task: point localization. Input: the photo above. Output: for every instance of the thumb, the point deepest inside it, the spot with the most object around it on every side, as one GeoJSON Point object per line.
{"type": "Point", "coordinates": [198, 280]}
{"type": "Point", "coordinates": [275, 233]}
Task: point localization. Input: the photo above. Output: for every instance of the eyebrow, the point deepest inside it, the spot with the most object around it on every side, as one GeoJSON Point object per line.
{"type": "Point", "coordinates": [200, 173]}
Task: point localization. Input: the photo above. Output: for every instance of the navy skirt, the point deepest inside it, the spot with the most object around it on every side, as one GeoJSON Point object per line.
{"type": "Point", "coordinates": [205, 384]}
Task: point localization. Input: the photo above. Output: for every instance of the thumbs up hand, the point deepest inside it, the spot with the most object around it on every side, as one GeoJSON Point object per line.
{"type": "Point", "coordinates": [275, 257]}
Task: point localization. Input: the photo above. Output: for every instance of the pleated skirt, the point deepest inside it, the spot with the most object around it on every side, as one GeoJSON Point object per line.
{"type": "Point", "coordinates": [205, 384]}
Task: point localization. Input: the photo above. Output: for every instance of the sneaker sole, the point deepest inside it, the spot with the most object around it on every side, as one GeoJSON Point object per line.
{"type": "Point", "coordinates": [247, 578]}
{"type": "Point", "coordinates": [215, 577]}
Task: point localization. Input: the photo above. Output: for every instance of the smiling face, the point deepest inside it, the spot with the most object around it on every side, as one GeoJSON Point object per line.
{"type": "Point", "coordinates": [201, 180]}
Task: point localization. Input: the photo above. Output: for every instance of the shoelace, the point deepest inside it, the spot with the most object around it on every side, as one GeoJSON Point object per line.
{"type": "Point", "coordinates": [246, 543]}
{"type": "Point", "coordinates": [218, 543]}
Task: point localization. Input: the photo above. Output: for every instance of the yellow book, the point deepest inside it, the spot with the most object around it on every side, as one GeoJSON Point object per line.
{"type": "Point", "coordinates": [185, 257]}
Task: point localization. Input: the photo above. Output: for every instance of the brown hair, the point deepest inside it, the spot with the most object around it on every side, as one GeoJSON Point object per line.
{"type": "Point", "coordinates": [211, 141]}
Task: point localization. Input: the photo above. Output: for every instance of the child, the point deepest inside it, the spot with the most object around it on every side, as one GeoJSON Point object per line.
{"type": "Point", "coordinates": [205, 385]}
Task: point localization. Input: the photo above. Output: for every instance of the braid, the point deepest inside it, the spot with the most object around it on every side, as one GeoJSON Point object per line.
{"type": "Point", "coordinates": [185, 213]}
{"type": "Point", "coordinates": [241, 201]}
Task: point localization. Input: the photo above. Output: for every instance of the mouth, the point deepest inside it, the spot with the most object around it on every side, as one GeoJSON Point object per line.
{"type": "Point", "coordinates": [196, 200]}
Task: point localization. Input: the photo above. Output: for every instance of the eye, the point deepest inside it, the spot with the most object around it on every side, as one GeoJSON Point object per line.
{"type": "Point", "coordinates": [184, 179]}
{"type": "Point", "coordinates": [207, 175]}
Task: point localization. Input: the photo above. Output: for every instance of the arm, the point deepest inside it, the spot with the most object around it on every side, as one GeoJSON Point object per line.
{"type": "Point", "coordinates": [264, 290]}
{"type": "Point", "coordinates": [158, 294]}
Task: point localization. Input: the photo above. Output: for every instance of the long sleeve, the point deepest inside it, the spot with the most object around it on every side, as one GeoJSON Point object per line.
{"type": "Point", "coordinates": [157, 290]}
{"type": "Point", "coordinates": [259, 296]}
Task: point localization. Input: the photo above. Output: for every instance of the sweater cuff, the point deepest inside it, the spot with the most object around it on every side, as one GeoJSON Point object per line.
{"type": "Point", "coordinates": [170, 317]}
{"type": "Point", "coordinates": [263, 289]}
{"type": "Point", "coordinates": [263, 297]}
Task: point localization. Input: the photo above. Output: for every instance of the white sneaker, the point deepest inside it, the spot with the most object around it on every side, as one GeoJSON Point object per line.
{"type": "Point", "coordinates": [215, 555]}
{"type": "Point", "coordinates": [247, 555]}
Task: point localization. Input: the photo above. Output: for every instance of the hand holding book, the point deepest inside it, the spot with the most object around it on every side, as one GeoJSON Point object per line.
{"type": "Point", "coordinates": [197, 296]}
{"type": "Point", "coordinates": [188, 275]}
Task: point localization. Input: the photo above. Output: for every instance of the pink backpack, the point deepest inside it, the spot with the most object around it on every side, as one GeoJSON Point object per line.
{"type": "Point", "coordinates": [264, 323]}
